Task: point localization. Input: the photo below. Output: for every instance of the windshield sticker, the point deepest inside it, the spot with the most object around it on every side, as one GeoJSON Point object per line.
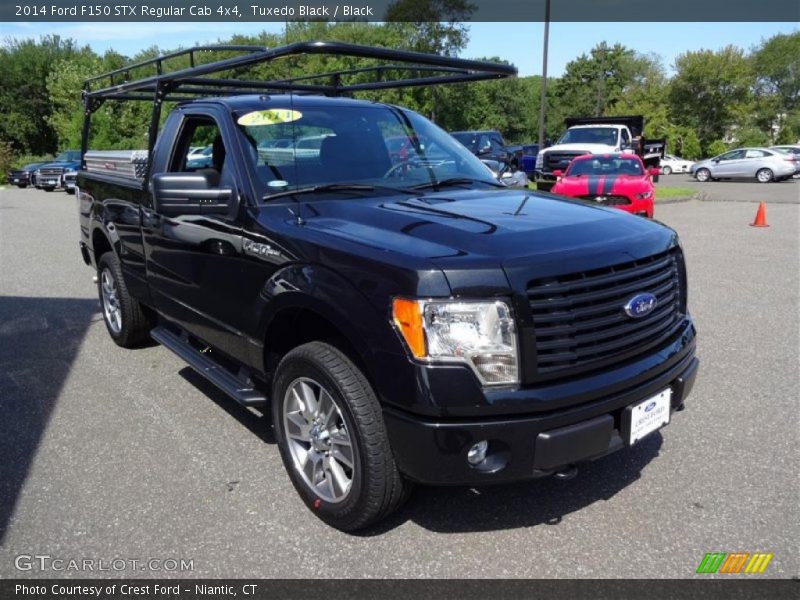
{"type": "Point", "coordinates": [271, 116]}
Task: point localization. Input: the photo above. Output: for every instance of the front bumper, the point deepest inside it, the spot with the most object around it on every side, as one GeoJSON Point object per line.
{"type": "Point", "coordinates": [544, 177]}
{"type": "Point", "coordinates": [434, 451]}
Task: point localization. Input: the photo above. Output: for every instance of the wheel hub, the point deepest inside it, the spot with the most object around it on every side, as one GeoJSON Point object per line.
{"type": "Point", "coordinates": [318, 441]}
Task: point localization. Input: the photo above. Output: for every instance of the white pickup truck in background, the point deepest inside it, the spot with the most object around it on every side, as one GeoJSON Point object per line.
{"type": "Point", "coordinates": [596, 135]}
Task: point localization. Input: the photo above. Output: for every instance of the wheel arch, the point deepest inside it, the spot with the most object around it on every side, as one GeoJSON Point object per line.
{"type": "Point", "coordinates": [312, 303]}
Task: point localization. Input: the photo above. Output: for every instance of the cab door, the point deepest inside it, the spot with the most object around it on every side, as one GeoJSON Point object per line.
{"type": "Point", "coordinates": [194, 260]}
{"type": "Point", "coordinates": [728, 164]}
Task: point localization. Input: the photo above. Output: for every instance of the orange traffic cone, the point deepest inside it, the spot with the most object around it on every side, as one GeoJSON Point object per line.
{"type": "Point", "coordinates": [761, 216]}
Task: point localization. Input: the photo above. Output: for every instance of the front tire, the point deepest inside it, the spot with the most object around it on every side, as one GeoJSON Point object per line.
{"type": "Point", "coordinates": [702, 175]}
{"type": "Point", "coordinates": [126, 320]}
{"type": "Point", "coordinates": [764, 176]}
{"type": "Point", "coordinates": [330, 431]}
{"type": "Point", "coordinates": [48, 189]}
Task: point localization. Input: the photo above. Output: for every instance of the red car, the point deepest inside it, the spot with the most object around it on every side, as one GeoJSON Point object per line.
{"type": "Point", "coordinates": [618, 180]}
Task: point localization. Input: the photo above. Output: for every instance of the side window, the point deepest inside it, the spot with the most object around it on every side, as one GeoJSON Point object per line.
{"type": "Point", "coordinates": [755, 154]}
{"type": "Point", "coordinates": [202, 132]}
{"type": "Point", "coordinates": [735, 154]}
{"type": "Point", "coordinates": [626, 138]}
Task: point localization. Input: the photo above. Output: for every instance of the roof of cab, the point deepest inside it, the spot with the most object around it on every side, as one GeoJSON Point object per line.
{"type": "Point", "coordinates": [261, 101]}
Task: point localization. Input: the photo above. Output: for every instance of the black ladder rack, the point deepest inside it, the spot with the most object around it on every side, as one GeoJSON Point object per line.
{"type": "Point", "coordinates": [409, 69]}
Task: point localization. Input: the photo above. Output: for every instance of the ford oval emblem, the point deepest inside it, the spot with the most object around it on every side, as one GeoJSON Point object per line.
{"type": "Point", "coordinates": [640, 305]}
{"type": "Point", "coordinates": [650, 406]}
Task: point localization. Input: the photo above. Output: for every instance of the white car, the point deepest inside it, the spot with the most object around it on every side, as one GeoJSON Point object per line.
{"type": "Point", "coordinates": [675, 164]}
{"type": "Point", "coordinates": [200, 152]}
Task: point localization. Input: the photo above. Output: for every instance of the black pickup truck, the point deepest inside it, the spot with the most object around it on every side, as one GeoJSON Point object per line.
{"type": "Point", "coordinates": [404, 318]}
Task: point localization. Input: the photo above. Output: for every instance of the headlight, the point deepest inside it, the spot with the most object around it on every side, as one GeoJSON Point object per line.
{"type": "Point", "coordinates": [479, 334]}
{"type": "Point", "coordinates": [644, 195]}
{"type": "Point", "coordinates": [539, 160]}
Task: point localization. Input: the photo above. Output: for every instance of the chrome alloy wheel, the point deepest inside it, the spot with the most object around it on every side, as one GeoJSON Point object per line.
{"type": "Point", "coordinates": [111, 308]}
{"type": "Point", "coordinates": [318, 440]}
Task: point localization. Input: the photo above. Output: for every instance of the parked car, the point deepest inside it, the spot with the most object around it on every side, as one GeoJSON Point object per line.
{"type": "Point", "coordinates": [401, 322]}
{"type": "Point", "coordinates": [528, 159]}
{"type": "Point", "coordinates": [24, 176]}
{"type": "Point", "coordinates": [617, 180]}
{"type": "Point", "coordinates": [794, 150]}
{"type": "Point", "coordinates": [675, 164]}
{"type": "Point", "coordinates": [200, 152]}
{"type": "Point", "coordinates": [507, 175]}
{"type": "Point", "coordinates": [50, 176]}
{"type": "Point", "coordinates": [762, 164]}
{"type": "Point", "coordinates": [486, 144]}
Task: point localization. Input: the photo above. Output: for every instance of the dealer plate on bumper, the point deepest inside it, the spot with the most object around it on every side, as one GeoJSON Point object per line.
{"type": "Point", "coordinates": [647, 416]}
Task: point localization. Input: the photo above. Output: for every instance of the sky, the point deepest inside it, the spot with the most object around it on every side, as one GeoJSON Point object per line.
{"type": "Point", "coordinates": [519, 43]}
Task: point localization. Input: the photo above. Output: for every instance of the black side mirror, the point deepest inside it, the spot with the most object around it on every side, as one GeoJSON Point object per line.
{"type": "Point", "coordinates": [177, 194]}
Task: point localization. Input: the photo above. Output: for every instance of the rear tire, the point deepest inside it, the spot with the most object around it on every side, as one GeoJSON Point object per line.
{"type": "Point", "coordinates": [666, 170]}
{"type": "Point", "coordinates": [544, 186]}
{"type": "Point", "coordinates": [126, 320]}
{"type": "Point", "coordinates": [764, 176]}
{"type": "Point", "coordinates": [330, 430]}
{"type": "Point", "coordinates": [703, 175]}
{"type": "Point", "coordinates": [71, 192]}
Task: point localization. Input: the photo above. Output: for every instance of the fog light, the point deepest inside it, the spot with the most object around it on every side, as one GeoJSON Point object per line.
{"type": "Point", "coordinates": [477, 454]}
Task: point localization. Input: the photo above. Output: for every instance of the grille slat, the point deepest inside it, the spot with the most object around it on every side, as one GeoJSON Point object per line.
{"type": "Point", "coordinates": [566, 301]}
{"type": "Point", "coordinates": [618, 274]}
{"type": "Point", "coordinates": [600, 351]}
{"type": "Point", "coordinates": [579, 318]}
{"type": "Point", "coordinates": [622, 328]}
{"type": "Point", "coordinates": [564, 314]}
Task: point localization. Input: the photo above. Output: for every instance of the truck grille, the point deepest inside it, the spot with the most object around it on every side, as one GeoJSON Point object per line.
{"type": "Point", "coordinates": [606, 200]}
{"type": "Point", "coordinates": [579, 322]}
{"type": "Point", "coordinates": [559, 160]}
{"type": "Point", "coordinates": [51, 172]}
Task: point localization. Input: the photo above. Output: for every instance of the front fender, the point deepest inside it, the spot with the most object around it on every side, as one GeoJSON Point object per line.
{"type": "Point", "coordinates": [329, 295]}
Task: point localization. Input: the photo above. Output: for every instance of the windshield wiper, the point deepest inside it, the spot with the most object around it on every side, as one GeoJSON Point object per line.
{"type": "Point", "coordinates": [455, 181]}
{"type": "Point", "coordinates": [339, 187]}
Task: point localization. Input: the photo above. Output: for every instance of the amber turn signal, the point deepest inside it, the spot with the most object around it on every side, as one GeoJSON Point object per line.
{"type": "Point", "coordinates": [408, 319]}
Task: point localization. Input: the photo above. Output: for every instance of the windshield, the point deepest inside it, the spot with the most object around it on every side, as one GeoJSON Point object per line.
{"type": "Point", "coordinates": [605, 165]}
{"type": "Point", "coordinates": [379, 145]}
{"type": "Point", "coordinates": [69, 156]}
{"type": "Point", "coordinates": [590, 135]}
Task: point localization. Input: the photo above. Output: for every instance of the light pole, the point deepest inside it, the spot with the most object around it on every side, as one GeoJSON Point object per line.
{"type": "Point", "coordinates": [543, 95]}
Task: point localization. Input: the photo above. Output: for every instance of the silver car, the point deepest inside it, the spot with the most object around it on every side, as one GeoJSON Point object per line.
{"type": "Point", "coordinates": [793, 149]}
{"type": "Point", "coordinates": [762, 164]}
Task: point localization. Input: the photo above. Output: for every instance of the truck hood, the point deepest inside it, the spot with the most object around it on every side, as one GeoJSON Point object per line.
{"type": "Point", "coordinates": [585, 148]}
{"type": "Point", "coordinates": [472, 231]}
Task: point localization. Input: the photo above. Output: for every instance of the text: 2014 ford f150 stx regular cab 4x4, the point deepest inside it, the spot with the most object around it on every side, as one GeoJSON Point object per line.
{"type": "Point", "coordinates": [405, 320]}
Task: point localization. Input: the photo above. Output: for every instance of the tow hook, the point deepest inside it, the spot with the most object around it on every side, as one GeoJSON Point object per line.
{"type": "Point", "coordinates": [566, 473]}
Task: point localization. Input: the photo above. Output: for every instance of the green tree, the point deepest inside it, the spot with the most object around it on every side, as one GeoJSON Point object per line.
{"type": "Point", "coordinates": [716, 147]}
{"type": "Point", "coordinates": [776, 64]}
{"type": "Point", "coordinates": [708, 89]}
{"type": "Point", "coordinates": [24, 101]}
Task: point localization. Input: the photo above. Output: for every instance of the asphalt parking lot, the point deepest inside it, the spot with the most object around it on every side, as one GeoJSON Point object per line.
{"type": "Point", "coordinates": [110, 453]}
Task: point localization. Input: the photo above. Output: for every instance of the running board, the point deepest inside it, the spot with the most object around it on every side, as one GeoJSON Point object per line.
{"type": "Point", "coordinates": [241, 391]}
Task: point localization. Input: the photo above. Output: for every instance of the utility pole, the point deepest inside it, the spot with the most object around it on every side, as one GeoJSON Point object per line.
{"type": "Point", "coordinates": [543, 98]}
